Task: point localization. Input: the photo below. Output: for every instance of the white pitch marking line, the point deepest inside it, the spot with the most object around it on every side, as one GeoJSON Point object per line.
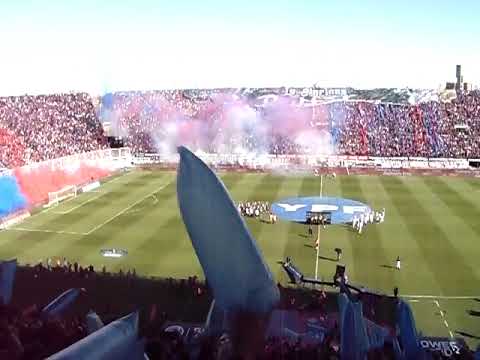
{"type": "Point", "coordinates": [451, 334]}
{"type": "Point", "coordinates": [440, 297]}
{"type": "Point", "coordinates": [81, 204]}
{"type": "Point", "coordinates": [128, 208]}
{"type": "Point", "coordinates": [102, 193]}
{"type": "Point", "coordinates": [414, 301]}
{"type": "Point", "coordinates": [43, 211]}
{"type": "Point", "coordinates": [45, 231]}
{"type": "Point", "coordinates": [446, 323]}
{"type": "Point", "coordinates": [436, 303]}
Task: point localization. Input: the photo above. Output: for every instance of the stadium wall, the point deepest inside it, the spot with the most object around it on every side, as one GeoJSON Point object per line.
{"type": "Point", "coordinates": [254, 161]}
{"type": "Point", "coordinates": [28, 186]}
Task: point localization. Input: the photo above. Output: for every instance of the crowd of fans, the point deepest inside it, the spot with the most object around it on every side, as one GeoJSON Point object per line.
{"type": "Point", "coordinates": [431, 129]}
{"type": "Point", "coordinates": [26, 334]}
{"type": "Point", "coordinates": [36, 128]}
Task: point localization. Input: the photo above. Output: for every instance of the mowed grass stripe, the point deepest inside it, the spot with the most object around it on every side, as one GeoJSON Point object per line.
{"type": "Point", "coordinates": [164, 236]}
{"type": "Point", "coordinates": [30, 245]}
{"type": "Point", "coordinates": [18, 244]}
{"type": "Point", "coordinates": [231, 179]}
{"type": "Point", "coordinates": [102, 210]}
{"type": "Point", "coordinates": [335, 236]}
{"type": "Point", "coordinates": [80, 220]}
{"type": "Point", "coordinates": [164, 190]}
{"type": "Point", "coordinates": [457, 215]}
{"type": "Point", "coordinates": [300, 247]}
{"type": "Point", "coordinates": [268, 189]}
{"type": "Point", "coordinates": [275, 237]}
{"type": "Point", "coordinates": [34, 242]}
{"type": "Point", "coordinates": [48, 219]}
{"type": "Point", "coordinates": [169, 250]}
{"type": "Point", "coordinates": [398, 242]}
{"type": "Point", "coordinates": [461, 207]}
{"type": "Point", "coordinates": [140, 223]}
{"type": "Point", "coordinates": [432, 241]}
{"type": "Point", "coordinates": [473, 182]}
{"type": "Point", "coordinates": [368, 248]}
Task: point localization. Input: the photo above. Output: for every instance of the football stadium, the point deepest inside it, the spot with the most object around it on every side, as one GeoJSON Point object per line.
{"type": "Point", "coordinates": [164, 210]}
{"type": "Point", "coordinates": [87, 216]}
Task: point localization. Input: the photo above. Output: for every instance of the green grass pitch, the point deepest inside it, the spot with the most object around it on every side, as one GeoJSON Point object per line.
{"type": "Point", "coordinates": [432, 223]}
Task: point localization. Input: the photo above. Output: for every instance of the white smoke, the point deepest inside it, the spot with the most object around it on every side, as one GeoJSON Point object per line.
{"type": "Point", "coordinates": [233, 126]}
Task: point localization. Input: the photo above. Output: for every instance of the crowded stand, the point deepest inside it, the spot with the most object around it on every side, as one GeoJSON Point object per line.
{"type": "Point", "coordinates": [37, 128]}
{"type": "Point", "coordinates": [171, 331]}
{"type": "Point", "coordinates": [151, 121]}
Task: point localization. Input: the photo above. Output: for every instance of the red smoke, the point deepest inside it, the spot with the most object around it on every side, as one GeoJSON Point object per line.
{"type": "Point", "coordinates": [37, 181]}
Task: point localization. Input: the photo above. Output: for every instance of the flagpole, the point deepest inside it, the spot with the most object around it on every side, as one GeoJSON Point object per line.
{"type": "Point", "coordinates": [321, 185]}
{"type": "Point", "coordinates": [318, 232]}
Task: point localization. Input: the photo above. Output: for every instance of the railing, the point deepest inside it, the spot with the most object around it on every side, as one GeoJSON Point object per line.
{"type": "Point", "coordinates": [111, 158]}
{"type": "Point", "coordinates": [266, 160]}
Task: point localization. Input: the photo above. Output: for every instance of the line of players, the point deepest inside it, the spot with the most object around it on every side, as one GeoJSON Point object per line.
{"type": "Point", "coordinates": [257, 209]}
{"type": "Point", "coordinates": [360, 220]}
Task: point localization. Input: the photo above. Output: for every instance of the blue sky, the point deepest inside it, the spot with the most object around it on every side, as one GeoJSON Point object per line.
{"type": "Point", "coordinates": [99, 46]}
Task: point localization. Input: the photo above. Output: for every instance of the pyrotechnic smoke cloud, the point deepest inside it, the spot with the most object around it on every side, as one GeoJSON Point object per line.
{"type": "Point", "coordinates": [222, 123]}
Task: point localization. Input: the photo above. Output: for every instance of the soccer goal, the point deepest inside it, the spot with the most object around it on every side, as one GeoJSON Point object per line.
{"type": "Point", "coordinates": [55, 197]}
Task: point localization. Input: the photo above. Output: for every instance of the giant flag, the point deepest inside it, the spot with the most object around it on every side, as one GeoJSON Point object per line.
{"type": "Point", "coordinates": [7, 277]}
{"type": "Point", "coordinates": [229, 255]}
{"type": "Point", "coordinates": [116, 341]}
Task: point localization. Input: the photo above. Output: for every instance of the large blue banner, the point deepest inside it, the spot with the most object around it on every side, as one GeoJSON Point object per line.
{"type": "Point", "coordinates": [229, 255]}
{"type": "Point", "coordinates": [94, 322]}
{"type": "Point", "coordinates": [61, 303]}
{"type": "Point", "coordinates": [7, 278]}
{"type": "Point", "coordinates": [116, 341]}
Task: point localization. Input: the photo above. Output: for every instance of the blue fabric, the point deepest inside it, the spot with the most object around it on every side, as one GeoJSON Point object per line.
{"type": "Point", "coordinates": [358, 335]}
{"type": "Point", "coordinates": [342, 305]}
{"type": "Point", "coordinates": [408, 331]}
{"type": "Point", "coordinates": [342, 210]}
{"type": "Point", "coordinates": [61, 303]}
{"type": "Point", "coordinates": [107, 100]}
{"type": "Point", "coordinates": [116, 341]}
{"type": "Point", "coordinates": [399, 355]}
{"type": "Point", "coordinates": [7, 278]}
{"type": "Point", "coordinates": [229, 255]}
{"type": "Point", "coordinates": [477, 354]}
{"type": "Point", "coordinates": [377, 335]}
{"type": "Point", "coordinates": [361, 339]}
{"type": "Point", "coordinates": [94, 322]}
{"type": "Point", "coordinates": [348, 349]}
{"type": "Point", "coordinates": [11, 197]}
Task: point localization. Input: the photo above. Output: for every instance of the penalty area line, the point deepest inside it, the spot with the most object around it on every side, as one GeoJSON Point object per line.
{"type": "Point", "coordinates": [121, 212]}
{"type": "Point", "coordinates": [440, 297]}
{"type": "Point", "coordinates": [45, 231]}
{"type": "Point", "coordinates": [100, 193]}
{"type": "Point", "coordinates": [81, 204]}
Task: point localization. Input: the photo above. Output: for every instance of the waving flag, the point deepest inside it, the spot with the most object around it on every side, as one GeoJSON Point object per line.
{"type": "Point", "coordinates": [228, 253]}
{"type": "Point", "coordinates": [116, 341]}
{"type": "Point", "coordinates": [61, 303]}
{"type": "Point", "coordinates": [94, 322]}
{"type": "Point", "coordinates": [7, 277]}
